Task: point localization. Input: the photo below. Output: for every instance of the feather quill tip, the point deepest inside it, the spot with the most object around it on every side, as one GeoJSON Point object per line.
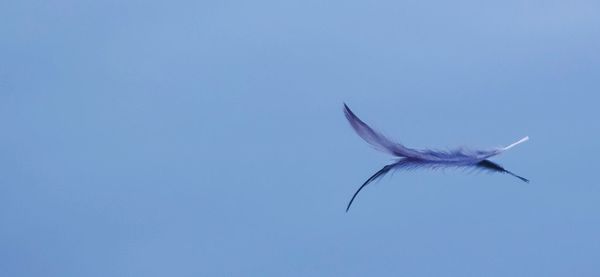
{"type": "Point", "coordinates": [516, 143]}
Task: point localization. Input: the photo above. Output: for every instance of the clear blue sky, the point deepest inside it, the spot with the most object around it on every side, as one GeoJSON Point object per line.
{"type": "Point", "coordinates": [206, 138]}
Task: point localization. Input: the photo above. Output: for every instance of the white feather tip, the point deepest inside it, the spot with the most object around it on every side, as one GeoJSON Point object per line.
{"type": "Point", "coordinates": [516, 143]}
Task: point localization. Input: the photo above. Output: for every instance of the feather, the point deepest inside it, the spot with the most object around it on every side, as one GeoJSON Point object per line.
{"type": "Point", "coordinates": [408, 158]}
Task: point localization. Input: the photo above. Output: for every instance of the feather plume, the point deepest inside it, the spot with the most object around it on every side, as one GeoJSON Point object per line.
{"type": "Point", "coordinates": [408, 158]}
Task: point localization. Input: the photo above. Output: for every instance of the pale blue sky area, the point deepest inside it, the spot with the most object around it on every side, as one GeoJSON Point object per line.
{"type": "Point", "coordinates": [206, 138]}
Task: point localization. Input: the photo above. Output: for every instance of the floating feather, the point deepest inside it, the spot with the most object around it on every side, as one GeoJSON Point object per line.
{"type": "Point", "coordinates": [424, 158]}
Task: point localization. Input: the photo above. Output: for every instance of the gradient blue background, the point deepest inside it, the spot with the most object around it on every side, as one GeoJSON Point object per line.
{"type": "Point", "coordinates": [206, 138]}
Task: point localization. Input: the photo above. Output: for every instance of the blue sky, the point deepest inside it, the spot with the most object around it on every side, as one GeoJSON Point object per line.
{"type": "Point", "coordinates": [206, 138]}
